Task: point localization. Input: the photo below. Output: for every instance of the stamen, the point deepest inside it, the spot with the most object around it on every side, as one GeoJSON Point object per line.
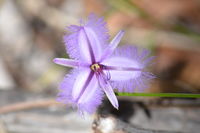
{"type": "Point", "coordinates": [95, 67]}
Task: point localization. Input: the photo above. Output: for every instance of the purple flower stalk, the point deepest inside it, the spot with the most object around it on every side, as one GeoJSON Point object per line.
{"type": "Point", "coordinates": [99, 66]}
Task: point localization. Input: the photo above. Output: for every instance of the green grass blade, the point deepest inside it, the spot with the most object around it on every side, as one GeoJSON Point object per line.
{"type": "Point", "coordinates": [175, 95]}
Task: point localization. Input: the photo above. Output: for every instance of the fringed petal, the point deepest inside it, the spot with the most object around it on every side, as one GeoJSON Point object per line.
{"type": "Point", "coordinates": [80, 89]}
{"type": "Point", "coordinates": [87, 42]}
{"type": "Point", "coordinates": [128, 69]}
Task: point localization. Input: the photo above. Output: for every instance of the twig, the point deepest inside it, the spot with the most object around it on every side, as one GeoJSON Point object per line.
{"type": "Point", "coordinates": [27, 105]}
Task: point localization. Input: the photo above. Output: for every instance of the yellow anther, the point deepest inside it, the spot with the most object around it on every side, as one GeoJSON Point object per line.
{"type": "Point", "coordinates": [95, 67]}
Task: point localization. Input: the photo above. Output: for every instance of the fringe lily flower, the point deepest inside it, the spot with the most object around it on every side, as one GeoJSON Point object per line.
{"type": "Point", "coordinates": [99, 67]}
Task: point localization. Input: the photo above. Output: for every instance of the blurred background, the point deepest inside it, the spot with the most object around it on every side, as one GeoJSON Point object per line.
{"type": "Point", "coordinates": [31, 34]}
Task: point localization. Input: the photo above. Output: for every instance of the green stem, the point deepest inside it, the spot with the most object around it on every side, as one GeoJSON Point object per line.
{"type": "Point", "coordinates": [175, 95]}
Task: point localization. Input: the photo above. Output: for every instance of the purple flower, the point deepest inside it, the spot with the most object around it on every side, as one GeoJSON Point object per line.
{"type": "Point", "coordinates": [99, 66]}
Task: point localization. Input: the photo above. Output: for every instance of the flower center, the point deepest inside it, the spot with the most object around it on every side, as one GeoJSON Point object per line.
{"type": "Point", "coordinates": [95, 67]}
